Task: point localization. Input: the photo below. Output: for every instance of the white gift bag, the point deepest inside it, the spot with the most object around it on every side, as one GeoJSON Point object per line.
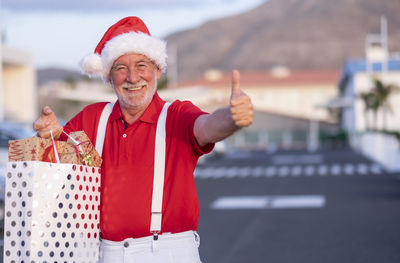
{"type": "Point", "coordinates": [51, 213]}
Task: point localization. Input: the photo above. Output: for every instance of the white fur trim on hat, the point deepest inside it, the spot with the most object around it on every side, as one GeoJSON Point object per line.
{"type": "Point", "coordinates": [92, 65]}
{"type": "Point", "coordinates": [132, 42]}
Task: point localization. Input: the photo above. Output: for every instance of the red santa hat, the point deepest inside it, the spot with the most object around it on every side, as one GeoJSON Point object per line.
{"type": "Point", "coordinates": [129, 35]}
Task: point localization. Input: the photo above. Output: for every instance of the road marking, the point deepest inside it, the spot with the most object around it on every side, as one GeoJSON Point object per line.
{"type": "Point", "coordinates": [349, 169]}
{"type": "Point", "coordinates": [376, 168]}
{"type": "Point", "coordinates": [310, 169]}
{"type": "Point", "coordinates": [283, 171]}
{"type": "Point", "coordinates": [258, 171]}
{"type": "Point", "coordinates": [244, 172]}
{"type": "Point", "coordinates": [296, 170]}
{"type": "Point", "coordinates": [269, 202]}
{"type": "Point", "coordinates": [362, 168]}
{"type": "Point", "coordinates": [336, 169]}
{"type": "Point", "coordinates": [288, 170]}
{"type": "Point", "coordinates": [298, 159]}
{"type": "Point", "coordinates": [323, 169]}
{"type": "Point", "coordinates": [270, 171]}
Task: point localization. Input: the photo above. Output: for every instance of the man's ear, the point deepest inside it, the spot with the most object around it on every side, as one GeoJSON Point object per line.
{"type": "Point", "coordinates": [159, 73]}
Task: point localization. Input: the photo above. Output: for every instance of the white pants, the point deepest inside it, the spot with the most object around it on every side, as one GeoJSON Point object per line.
{"type": "Point", "coordinates": [169, 248]}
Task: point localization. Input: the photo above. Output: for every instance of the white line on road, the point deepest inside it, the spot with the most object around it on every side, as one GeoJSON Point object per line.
{"type": "Point", "coordinates": [336, 169]}
{"type": "Point", "coordinates": [298, 159]}
{"type": "Point", "coordinates": [349, 169]}
{"type": "Point", "coordinates": [269, 202]}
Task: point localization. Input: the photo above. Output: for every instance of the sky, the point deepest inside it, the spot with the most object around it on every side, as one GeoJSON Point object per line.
{"type": "Point", "coordinates": [60, 33]}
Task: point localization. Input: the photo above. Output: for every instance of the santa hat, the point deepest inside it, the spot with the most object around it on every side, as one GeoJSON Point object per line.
{"type": "Point", "coordinates": [129, 35]}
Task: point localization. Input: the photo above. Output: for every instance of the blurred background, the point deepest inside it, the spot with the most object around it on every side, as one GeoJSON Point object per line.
{"type": "Point", "coordinates": [315, 178]}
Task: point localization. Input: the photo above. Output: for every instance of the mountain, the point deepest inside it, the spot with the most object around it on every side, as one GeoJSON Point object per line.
{"type": "Point", "coordinates": [299, 34]}
{"type": "Point", "coordinates": [57, 74]}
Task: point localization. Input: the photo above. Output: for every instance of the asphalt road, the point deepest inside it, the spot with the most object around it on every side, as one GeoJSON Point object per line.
{"type": "Point", "coordinates": [298, 207]}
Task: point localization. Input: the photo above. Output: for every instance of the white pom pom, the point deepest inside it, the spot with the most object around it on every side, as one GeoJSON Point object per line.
{"type": "Point", "coordinates": [92, 65]}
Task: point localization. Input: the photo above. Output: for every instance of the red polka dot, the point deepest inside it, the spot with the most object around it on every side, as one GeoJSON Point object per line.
{"type": "Point", "coordinates": [87, 188]}
{"type": "Point", "coordinates": [85, 226]}
{"type": "Point", "coordinates": [90, 216]}
{"type": "Point", "coordinates": [77, 225]}
{"type": "Point", "coordinates": [92, 225]}
{"type": "Point", "coordinates": [84, 197]}
{"type": "Point", "coordinates": [95, 235]}
{"type": "Point", "coordinates": [87, 207]}
{"type": "Point", "coordinates": [96, 198]}
{"type": "Point", "coordinates": [84, 178]}
{"type": "Point", "coordinates": [90, 198]}
{"type": "Point", "coordinates": [79, 206]}
{"type": "Point", "coordinates": [93, 170]}
{"type": "Point", "coordinates": [90, 179]}
{"type": "Point", "coordinates": [83, 217]}
{"type": "Point", "coordinates": [88, 235]}
{"type": "Point", "coordinates": [77, 177]}
{"type": "Point", "coordinates": [81, 168]}
{"type": "Point", "coordinates": [80, 187]}
{"type": "Point", "coordinates": [76, 197]}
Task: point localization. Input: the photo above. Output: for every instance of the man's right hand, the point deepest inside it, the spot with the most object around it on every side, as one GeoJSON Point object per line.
{"type": "Point", "coordinates": [46, 122]}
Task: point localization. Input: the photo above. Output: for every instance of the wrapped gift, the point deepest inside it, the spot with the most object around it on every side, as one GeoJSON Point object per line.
{"type": "Point", "coordinates": [31, 149]}
{"type": "Point", "coordinates": [77, 150]}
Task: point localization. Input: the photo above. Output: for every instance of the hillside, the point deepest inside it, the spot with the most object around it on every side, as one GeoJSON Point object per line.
{"type": "Point", "coordinates": [300, 34]}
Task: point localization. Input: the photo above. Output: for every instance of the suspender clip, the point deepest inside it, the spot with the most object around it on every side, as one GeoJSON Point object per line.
{"type": "Point", "coordinates": [155, 236]}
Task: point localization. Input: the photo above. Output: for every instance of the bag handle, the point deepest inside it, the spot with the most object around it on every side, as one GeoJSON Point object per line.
{"type": "Point", "coordinates": [54, 147]}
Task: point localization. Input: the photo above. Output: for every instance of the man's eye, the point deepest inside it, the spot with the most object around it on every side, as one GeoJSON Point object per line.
{"type": "Point", "coordinates": [142, 65]}
{"type": "Point", "coordinates": [120, 68]}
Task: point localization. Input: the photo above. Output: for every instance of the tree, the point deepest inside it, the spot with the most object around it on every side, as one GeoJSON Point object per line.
{"type": "Point", "coordinates": [377, 99]}
{"type": "Point", "coordinates": [382, 93]}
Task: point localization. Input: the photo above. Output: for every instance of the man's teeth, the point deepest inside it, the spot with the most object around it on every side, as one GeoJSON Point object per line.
{"type": "Point", "coordinates": [135, 88]}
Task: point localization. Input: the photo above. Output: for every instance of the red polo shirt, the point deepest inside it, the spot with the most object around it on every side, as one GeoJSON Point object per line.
{"type": "Point", "coordinates": [128, 166]}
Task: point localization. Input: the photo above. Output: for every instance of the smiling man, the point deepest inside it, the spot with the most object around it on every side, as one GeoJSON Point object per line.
{"type": "Point", "coordinates": [149, 206]}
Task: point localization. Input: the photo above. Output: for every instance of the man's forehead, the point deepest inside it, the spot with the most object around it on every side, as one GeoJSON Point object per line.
{"type": "Point", "coordinates": [131, 57]}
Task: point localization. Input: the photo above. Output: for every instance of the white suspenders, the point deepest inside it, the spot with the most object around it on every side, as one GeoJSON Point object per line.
{"type": "Point", "coordinates": [101, 128]}
{"type": "Point", "coordinates": [159, 162]}
{"type": "Point", "coordinates": [159, 172]}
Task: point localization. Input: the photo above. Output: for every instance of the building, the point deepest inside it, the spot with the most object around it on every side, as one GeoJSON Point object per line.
{"type": "Point", "coordinates": [372, 125]}
{"type": "Point", "coordinates": [18, 97]}
{"type": "Point", "coordinates": [286, 104]}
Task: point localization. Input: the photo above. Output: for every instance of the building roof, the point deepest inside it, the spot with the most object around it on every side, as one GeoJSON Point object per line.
{"type": "Point", "coordinates": [360, 65]}
{"type": "Point", "coordinates": [267, 78]}
{"type": "Point", "coordinates": [353, 66]}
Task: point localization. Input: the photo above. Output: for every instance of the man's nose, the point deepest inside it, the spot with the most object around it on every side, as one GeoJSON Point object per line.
{"type": "Point", "coordinates": [132, 76]}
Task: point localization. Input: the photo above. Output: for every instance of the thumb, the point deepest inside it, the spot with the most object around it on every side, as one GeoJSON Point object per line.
{"type": "Point", "coordinates": [235, 82]}
{"type": "Point", "coordinates": [47, 110]}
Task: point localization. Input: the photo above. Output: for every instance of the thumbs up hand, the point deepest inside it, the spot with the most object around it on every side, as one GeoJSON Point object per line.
{"type": "Point", "coordinates": [240, 104]}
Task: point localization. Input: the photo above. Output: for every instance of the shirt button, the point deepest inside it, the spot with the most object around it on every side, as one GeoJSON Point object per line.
{"type": "Point", "coordinates": [124, 135]}
{"type": "Point", "coordinates": [126, 244]}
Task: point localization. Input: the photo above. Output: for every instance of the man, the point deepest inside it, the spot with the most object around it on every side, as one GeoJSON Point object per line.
{"type": "Point", "coordinates": [149, 206]}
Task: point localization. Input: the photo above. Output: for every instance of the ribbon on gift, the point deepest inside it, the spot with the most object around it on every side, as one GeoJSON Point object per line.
{"type": "Point", "coordinates": [49, 155]}
{"type": "Point", "coordinates": [85, 156]}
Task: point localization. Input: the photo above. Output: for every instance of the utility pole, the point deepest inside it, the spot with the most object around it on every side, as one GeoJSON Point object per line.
{"type": "Point", "coordinates": [1, 71]}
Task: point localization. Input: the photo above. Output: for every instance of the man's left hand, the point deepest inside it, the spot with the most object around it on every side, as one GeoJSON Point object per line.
{"type": "Point", "coordinates": [240, 104]}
